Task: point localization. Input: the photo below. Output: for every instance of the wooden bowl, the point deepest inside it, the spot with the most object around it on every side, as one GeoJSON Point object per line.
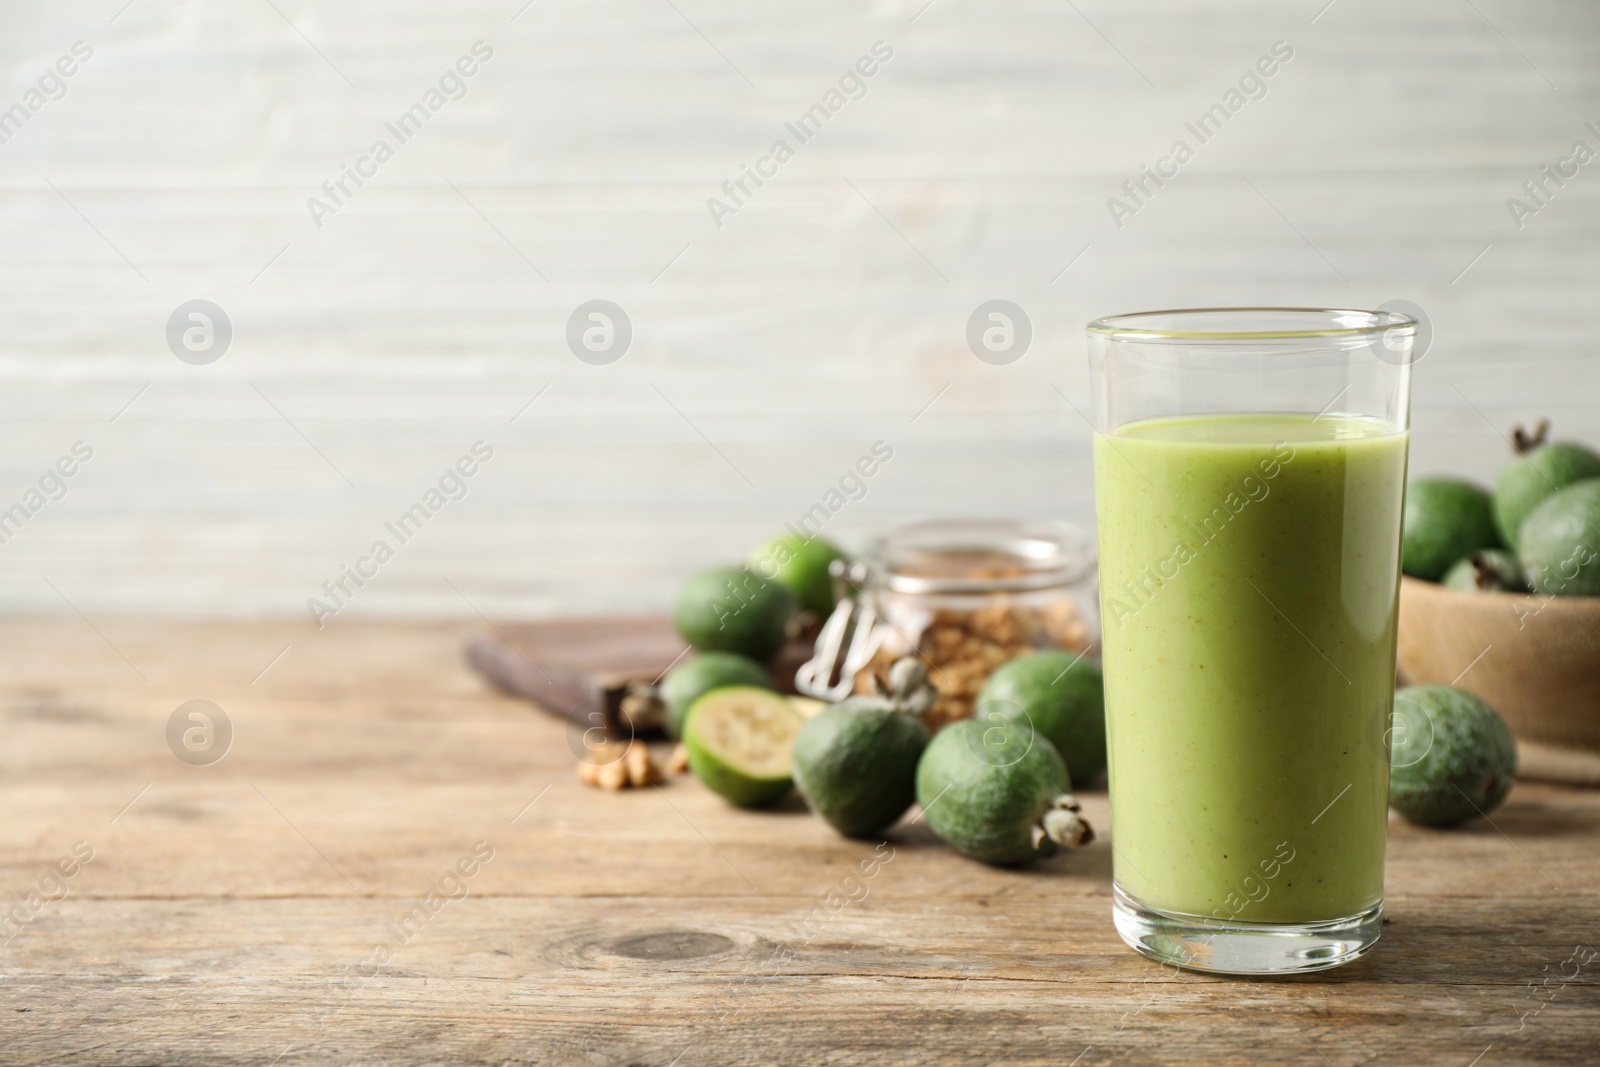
{"type": "Point", "coordinates": [1535, 660]}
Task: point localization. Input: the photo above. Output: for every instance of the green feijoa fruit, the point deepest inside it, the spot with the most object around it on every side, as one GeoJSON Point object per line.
{"type": "Point", "coordinates": [1444, 520]}
{"type": "Point", "coordinates": [729, 609]}
{"type": "Point", "coordinates": [1561, 542]}
{"type": "Point", "coordinates": [1059, 694]}
{"type": "Point", "coordinates": [856, 765]}
{"type": "Point", "coordinates": [1451, 757]}
{"type": "Point", "coordinates": [1492, 569]}
{"type": "Point", "coordinates": [1539, 470]}
{"type": "Point", "coordinates": [998, 792]}
{"type": "Point", "coordinates": [801, 565]}
{"type": "Point", "coordinates": [739, 739]}
{"type": "Point", "coordinates": [692, 679]}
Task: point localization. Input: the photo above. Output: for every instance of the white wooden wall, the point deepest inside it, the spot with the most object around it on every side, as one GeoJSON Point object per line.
{"type": "Point", "coordinates": [767, 354]}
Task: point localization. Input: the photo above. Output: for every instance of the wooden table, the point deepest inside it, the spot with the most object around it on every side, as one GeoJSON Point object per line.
{"type": "Point", "coordinates": [231, 912]}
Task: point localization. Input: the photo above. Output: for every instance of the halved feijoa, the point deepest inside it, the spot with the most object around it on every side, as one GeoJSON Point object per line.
{"type": "Point", "coordinates": [739, 740]}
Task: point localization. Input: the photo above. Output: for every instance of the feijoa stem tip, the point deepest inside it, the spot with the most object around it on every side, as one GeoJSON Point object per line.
{"type": "Point", "coordinates": [908, 687]}
{"type": "Point", "coordinates": [1524, 442]}
{"type": "Point", "coordinates": [1063, 823]}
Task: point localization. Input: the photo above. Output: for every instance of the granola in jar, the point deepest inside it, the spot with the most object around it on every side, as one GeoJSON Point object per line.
{"type": "Point", "coordinates": [966, 596]}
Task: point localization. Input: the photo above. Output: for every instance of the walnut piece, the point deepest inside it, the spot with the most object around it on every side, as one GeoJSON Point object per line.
{"type": "Point", "coordinates": [617, 765]}
{"type": "Point", "coordinates": [678, 762]}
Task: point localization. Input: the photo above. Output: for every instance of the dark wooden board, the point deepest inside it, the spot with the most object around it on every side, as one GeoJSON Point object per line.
{"type": "Point", "coordinates": [577, 668]}
{"type": "Point", "coordinates": [580, 668]}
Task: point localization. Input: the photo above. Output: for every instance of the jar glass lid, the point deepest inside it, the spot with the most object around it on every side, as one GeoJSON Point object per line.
{"type": "Point", "coordinates": [980, 556]}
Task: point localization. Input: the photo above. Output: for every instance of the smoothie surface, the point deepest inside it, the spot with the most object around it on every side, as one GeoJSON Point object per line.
{"type": "Point", "coordinates": [1244, 429]}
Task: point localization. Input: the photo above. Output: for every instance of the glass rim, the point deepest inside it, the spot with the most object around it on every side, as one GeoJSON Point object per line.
{"type": "Point", "coordinates": [1125, 327]}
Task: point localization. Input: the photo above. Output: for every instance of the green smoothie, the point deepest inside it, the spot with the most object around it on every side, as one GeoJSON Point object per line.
{"type": "Point", "coordinates": [1249, 583]}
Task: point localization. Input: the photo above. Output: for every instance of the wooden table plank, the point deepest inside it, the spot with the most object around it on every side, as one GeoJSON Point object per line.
{"type": "Point", "coordinates": [231, 913]}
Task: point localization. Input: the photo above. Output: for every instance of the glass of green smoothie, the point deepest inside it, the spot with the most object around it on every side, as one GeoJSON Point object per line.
{"type": "Point", "coordinates": [1250, 468]}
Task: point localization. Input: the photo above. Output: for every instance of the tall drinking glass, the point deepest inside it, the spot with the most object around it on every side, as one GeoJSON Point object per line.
{"type": "Point", "coordinates": [1250, 468]}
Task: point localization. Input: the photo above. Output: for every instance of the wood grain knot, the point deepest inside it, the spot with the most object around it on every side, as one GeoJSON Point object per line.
{"type": "Point", "coordinates": [672, 945]}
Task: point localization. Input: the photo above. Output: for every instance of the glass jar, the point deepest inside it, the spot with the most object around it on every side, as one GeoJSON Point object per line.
{"type": "Point", "coordinates": [964, 595]}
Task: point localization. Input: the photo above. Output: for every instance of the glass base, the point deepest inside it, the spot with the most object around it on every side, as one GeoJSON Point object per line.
{"type": "Point", "coordinates": [1197, 943]}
